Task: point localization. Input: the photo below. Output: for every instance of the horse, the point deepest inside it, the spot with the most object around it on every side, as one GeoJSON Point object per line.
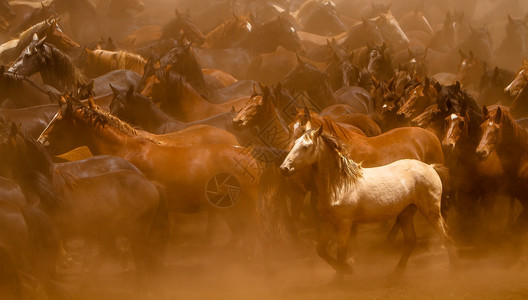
{"type": "Point", "coordinates": [361, 34]}
{"type": "Point", "coordinates": [132, 204]}
{"type": "Point", "coordinates": [226, 173]}
{"type": "Point", "coordinates": [322, 19]}
{"type": "Point", "coordinates": [492, 87]}
{"type": "Point", "coordinates": [344, 186]}
{"type": "Point", "coordinates": [229, 33]}
{"type": "Point", "coordinates": [379, 62]}
{"type": "Point", "coordinates": [501, 134]}
{"type": "Point", "coordinates": [10, 50]}
{"type": "Point", "coordinates": [100, 62]}
{"type": "Point", "coordinates": [121, 8]}
{"type": "Point", "coordinates": [6, 10]}
{"type": "Point", "coordinates": [519, 81]}
{"type": "Point", "coordinates": [315, 82]}
{"type": "Point", "coordinates": [21, 91]}
{"type": "Point", "coordinates": [37, 15]}
{"type": "Point", "coordinates": [518, 108]}
{"type": "Point", "coordinates": [148, 34]}
{"type": "Point", "coordinates": [55, 67]}
{"type": "Point", "coordinates": [473, 180]}
{"type": "Point", "coordinates": [180, 100]}
{"type": "Point", "coordinates": [420, 97]}
{"type": "Point", "coordinates": [514, 47]}
{"type": "Point", "coordinates": [451, 34]}
{"type": "Point", "coordinates": [32, 120]}
{"type": "Point", "coordinates": [139, 110]}
{"type": "Point", "coordinates": [470, 70]}
{"type": "Point", "coordinates": [480, 42]}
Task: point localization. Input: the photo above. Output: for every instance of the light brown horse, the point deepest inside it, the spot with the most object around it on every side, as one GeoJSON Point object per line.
{"type": "Point", "coordinates": [224, 173]}
{"type": "Point", "coordinates": [400, 143]}
{"type": "Point", "coordinates": [229, 33]}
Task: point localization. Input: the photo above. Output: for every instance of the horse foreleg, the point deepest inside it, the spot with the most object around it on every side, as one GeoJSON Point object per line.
{"type": "Point", "coordinates": [405, 221]}
{"type": "Point", "coordinates": [343, 236]}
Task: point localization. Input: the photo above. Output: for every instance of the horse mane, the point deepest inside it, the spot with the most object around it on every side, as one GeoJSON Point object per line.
{"type": "Point", "coordinates": [219, 32]}
{"type": "Point", "coordinates": [365, 79]}
{"type": "Point", "coordinates": [121, 60]}
{"type": "Point", "coordinates": [344, 171]}
{"type": "Point", "coordinates": [27, 34]}
{"type": "Point", "coordinates": [64, 65]}
{"type": "Point", "coordinates": [101, 118]}
{"type": "Point", "coordinates": [37, 174]}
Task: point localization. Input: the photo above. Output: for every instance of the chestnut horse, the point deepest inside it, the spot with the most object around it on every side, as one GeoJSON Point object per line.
{"type": "Point", "coordinates": [501, 134]}
{"type": "Point", "coordinates": [225, 173]}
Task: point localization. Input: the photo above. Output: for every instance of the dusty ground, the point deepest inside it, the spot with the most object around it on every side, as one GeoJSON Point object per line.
{"type": "Point", "coordinates": [193, 271]}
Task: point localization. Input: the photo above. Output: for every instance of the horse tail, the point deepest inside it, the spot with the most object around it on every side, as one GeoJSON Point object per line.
{"type": "Point", "coordinates": [9, 276]}
{"type": "Point", "coordinates": [159, 229]}
{"type": "Point", "coordinates": [443, 173]}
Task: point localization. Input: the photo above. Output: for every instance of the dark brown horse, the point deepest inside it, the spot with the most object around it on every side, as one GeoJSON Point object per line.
{"type": "Point", "coordinates": [501, 134]}
{"type": "Point", "coordinates": [140, 111]}
{"type": "Point", "coordinates": [73, 198]}
{"type": "Point", "coordinates": [21, 91]}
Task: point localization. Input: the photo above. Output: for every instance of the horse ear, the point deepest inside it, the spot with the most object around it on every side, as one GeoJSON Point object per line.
{"type": "Point", "coordinates": [438, 87]}
{"type": "Point", "coordinates": [495, 74]}
{"type": "Point", "coordinates": [177, 13]}
{"type": "Point", "coordinates": [187, 47]}
{"type": "Point", "coordinates": [410, 53]}
{"type": "Point", "coordinates": [485, 111]}
{"type": "Point", "coordinates": [130, 92]}
{"type": "Point", "coordinates": [91, 102]}
{"type": "Point", "coordinates": [2, 69]}
{"type": "Point", "coordinates": [278, 88]}
{"type": "Point", "coordinates": [498, 115]}
{"type": "Point", "coordinates": [255, 91]}
{"type": "Point", "coordinates": [91, 85]}
{"type": "Point", "coordinates": [471, 55]}
{"type": "Point", "coordinates": [457, 85]}
{"type": "Point", "coordinates": [13, 131]}
{"type": "Point", "coordinates": [318, 132]}
{"type": "Point", "coordinates": [510, 19]}
{"type": "Point", "coordinates": [462, 54]}
{"type": "Point", "coordinates": [114, 90]}
{"type": "Point", "coordinates": [425, 52]}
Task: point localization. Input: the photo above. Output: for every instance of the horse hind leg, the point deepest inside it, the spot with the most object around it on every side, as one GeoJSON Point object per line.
{"type": "Point", "coordinates": [405, 222]}
{"type": "Point", "coordinates": [435, 219]}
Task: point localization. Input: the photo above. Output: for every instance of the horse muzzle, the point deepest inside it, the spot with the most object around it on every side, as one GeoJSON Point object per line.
{"type": "Point", "coordinates": [286, 170]}
{"type": "Point", "coordinates": [482, 154]}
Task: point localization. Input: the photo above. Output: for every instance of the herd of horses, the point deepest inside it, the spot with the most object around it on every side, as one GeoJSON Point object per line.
{"type": "Point", "coordinates": [261, 113]}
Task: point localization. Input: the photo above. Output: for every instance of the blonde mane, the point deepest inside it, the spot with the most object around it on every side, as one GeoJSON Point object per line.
{"type": "Point", "coordinates": [118, 60]}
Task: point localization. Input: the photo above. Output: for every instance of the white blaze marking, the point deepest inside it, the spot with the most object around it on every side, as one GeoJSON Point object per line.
{"type": "Point", "coordinates": [454, 117]}
{"type": "Point", "coordinates": [248, 26]}
{"type": "Point", "coordinates": [292, 29]}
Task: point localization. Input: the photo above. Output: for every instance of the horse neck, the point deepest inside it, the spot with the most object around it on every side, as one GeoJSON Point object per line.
{"type": "Point", "coordinates": [153, 117]}
{"type": "Point", "coordinates": [59, 72]}
{"type": "Point", "coordinates": [322, 92]}
{"type": "Point", "coordinates": [187, 96]}
{"type": "Point", "coordinates": [272, 132]}
{"type": "Point", "coordinates": [330, 180]}
{"type": "Point", "coordinates": [514, 145]}
{"type": "Point", "coordinates": [214, 38]}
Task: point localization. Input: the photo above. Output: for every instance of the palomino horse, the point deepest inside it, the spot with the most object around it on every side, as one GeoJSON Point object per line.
{"type": "Point", "coordinates": [100, 62]}
{"type": "Point", "coordinates": [501, 134]}
{"type": "Point", "coordinates": [225, 173]}
{"type": "Point", "coordinates": [350, 194]}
